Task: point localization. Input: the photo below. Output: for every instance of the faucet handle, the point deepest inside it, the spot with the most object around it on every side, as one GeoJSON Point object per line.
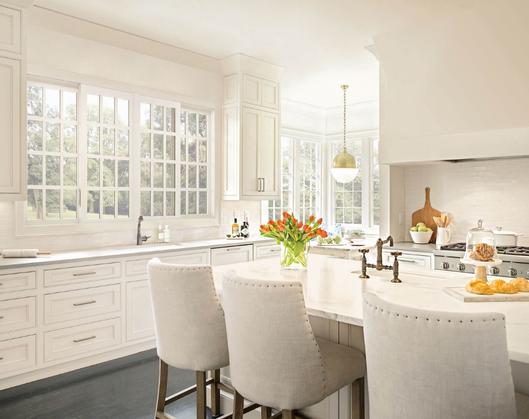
{"type": "Point", "coordinates": [364, 250]}
{"type": "Point", "coordinates": [396, 254]}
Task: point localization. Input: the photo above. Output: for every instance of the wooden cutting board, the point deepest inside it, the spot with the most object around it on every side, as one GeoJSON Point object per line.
{"type": "Point", "coordinates": [425, 215]}
{"type": "Point", "coordinates": [463, 295]}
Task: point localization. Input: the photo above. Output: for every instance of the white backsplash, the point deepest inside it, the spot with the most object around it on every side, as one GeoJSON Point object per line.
{"type": "Point", "coordinates": [496, 191]}
{"type": "Point", "coordinates": [66, 241]}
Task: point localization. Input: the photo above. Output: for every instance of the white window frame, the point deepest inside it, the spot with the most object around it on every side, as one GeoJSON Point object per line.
{"type": "Point", "coordinates": [297, 137]}
{"type": "Point", "coordinates": [26, 228]}
{"type": "Point", "coordinates": [367, 138]}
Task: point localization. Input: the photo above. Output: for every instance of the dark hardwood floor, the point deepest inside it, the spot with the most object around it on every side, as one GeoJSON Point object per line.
{"type": "Point", "coordinates": [121, 389]}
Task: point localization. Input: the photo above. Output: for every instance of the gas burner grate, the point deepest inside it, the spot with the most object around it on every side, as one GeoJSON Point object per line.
{"type": "Point", "coordinates": [455, 247]}
{"type": "Point", "coordinates": [516, 250]}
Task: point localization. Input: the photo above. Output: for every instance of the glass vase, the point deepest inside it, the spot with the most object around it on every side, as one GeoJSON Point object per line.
{"type": "Point", "coordinates": [294, 255]}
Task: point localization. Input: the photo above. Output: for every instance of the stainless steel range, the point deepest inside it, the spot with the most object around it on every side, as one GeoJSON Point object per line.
{"type": "Point", "coordinates": [515, 260]}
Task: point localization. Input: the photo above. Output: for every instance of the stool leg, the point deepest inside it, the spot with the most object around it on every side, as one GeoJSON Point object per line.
{"type": "Point", "coordinates": [360, 411]}
{"type": "Point", "coordinates": [238, 405]}
{"type": "Point", "coordinates": [201, 394]}
{"type": "Point", "coordinates": [287, 414]}
{"type": "Point", "coordinates": [162, 387]}
{"type": "Point", "coordinates": [215, 393]}
{"type": "Point", "coordinates": [266, 412]}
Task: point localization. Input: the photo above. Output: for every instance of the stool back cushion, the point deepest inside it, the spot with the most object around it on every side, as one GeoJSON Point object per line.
{"type": "Point", "coordinates": [274, 357]}
{"type": "Point", "coordinates": [189, 321]}
{"type": "Point", "coordinates": [428, 364]}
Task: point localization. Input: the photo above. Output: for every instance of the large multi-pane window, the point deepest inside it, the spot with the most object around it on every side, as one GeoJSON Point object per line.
{"type": "Point", "coordinates": [96, 154]}
{"type": "Point", "coordinates": [52, 175]}
{"type": "Point", "coordinates": [194, 162]}
{"type": "Point", "coordinates": [108, 156]}
{"type": "Point", "coordinates": [309, 168]}
{"type": "Point", "coordinates": [300, 179]}
{"type": "Point", "coordinates": [286, 201]}
{"type": "Point", "coordinates": [158, 159]}
{"type": "Point", "coordinates": [347, 197]}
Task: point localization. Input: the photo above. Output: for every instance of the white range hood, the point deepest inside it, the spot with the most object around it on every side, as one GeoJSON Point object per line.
{"type": "Point", "coordinates": [458, 87]}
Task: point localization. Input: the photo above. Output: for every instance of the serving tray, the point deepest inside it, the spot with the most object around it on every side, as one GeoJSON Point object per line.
{"type": "Point", "coordinates": [463, 295]}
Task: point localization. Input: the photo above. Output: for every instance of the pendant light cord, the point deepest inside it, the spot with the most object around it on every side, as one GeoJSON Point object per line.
{"type": "Point", "coordinates": [344, 87]}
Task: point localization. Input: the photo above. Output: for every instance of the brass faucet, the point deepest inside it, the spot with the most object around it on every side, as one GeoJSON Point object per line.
{"type": "Point", "coordinates": [379, 266]}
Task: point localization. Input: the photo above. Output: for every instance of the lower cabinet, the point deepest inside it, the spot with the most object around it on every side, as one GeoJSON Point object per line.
{"type": "Point", "coordinates": [267, 251]}
{"type": "Point", "coordinates": [232, 254]}
{"type": "Point", "coordinates": [140, 322]}
{"type": "Point", "coordinates": [86, 339]}
{"type": "Point", "coordinates": [17, 354]}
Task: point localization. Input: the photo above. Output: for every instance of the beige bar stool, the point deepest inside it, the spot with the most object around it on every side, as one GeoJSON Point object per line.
{"type": "Point", "coordinates": [436, 365]}
{"type": "Point", "coordinates": [190, 331]}
{"type": "Point", "coordinates": [275, 360]}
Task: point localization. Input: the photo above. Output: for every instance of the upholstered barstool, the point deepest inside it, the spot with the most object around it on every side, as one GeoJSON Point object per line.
{"type": "Point", "coordinates": [429, 364]}
{"type": "Point", "coordinates": [275, 360]}
{"type": "Point", "coordinates": [190, 331]}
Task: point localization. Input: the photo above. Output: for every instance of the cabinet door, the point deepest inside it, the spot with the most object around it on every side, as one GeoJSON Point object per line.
{"type": "Point", "coordinates": [267, 153]}
{"type": "Point", "coordinates": [269, 94]}
{"type": "Point", "coordinates": [140, 321]}
{"type": "Point", "coordinates": [250, 140]}
{"type": "Point", "coordinates": [10, 36]}
{"type": "Point", "coordinates": [10, 139]}
{"type": "Point", "coordinates": [251, 90]}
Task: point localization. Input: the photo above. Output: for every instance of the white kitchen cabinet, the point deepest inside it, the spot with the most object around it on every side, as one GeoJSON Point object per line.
{"type": "Point", "coordinates": [251, 120]}
{"type": "Point", "coordinates": [192, 257]}
{"type": "Point", "coordinates": [260, 148]}
{"type": "Point", "coordinates": [232, 254]}
{"type": "Point", "coordinates": [17, 355]}
{"type": "Point", "coordinates": [410, 260]}
{"type": "Point", "coordinates": [140, 321]}
{"type": "Point", "coordinates": [12, 105]}
{"type": "Point", "coordinates": [266, 251]}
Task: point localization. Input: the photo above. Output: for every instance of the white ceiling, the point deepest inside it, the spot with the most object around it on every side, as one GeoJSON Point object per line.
{"type": "Point", "coordinates": [320, 43]}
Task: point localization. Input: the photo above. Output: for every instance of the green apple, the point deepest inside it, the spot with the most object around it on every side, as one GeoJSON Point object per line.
{"type": "Point", "coordinates": [413, 228]}
{"type": "Point", "coordinates": [421, 225]}
{"type": "Point", "coordinates": [423, 229]}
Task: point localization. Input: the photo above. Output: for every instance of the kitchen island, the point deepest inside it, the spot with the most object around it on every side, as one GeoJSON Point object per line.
{"type": "Point", "coordinates": [333, 296]}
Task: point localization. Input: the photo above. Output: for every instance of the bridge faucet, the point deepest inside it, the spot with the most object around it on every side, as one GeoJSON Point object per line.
{"type": "Point", "coordinates": [379, 266]}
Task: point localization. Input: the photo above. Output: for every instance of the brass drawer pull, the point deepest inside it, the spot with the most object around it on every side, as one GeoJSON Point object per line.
{"type": "Point", "coordinates": [234, 249]}
{"type": "Point", "coordinates": [84, 339]}
{"type": "Point", "coordinates": [84, 273]}
{"type": "Point", "coordinates": [1, 284]}
{"type": "Point", "coordinates": [84, 303]}
{"type": "Point", "coordinates": [1, 317]}
{"type": "Point", "coordinates": [1, 358]}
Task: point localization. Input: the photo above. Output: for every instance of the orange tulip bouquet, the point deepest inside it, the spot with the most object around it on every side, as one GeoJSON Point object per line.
{"type": "Point", "coordinates": [294, 236]}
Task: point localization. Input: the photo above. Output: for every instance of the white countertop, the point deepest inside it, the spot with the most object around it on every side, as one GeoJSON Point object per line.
{"type": "Point", "coordinates": [118, 251]}
{"type": "Point", "coordinates": [333, 290]}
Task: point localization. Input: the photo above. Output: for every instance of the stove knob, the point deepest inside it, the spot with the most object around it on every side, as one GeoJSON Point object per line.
{"type": "Point", "coordinates": [513, 272]}
{"type": "Point", "coordinates": [494, 270]}
{"type": "Point", "coordinates": [446, 265]}
{"type": "Point", "coordinates": [461, 266]}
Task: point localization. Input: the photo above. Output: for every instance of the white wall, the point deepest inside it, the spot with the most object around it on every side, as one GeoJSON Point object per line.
{"type": "Point", "coordinates": [496, 191]}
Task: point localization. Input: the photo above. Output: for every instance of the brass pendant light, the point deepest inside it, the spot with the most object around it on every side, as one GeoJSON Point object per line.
{"type": "Point", "coordinates": [344, 168]}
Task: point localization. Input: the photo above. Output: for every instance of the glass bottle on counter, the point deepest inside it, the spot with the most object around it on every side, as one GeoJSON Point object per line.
{"type": "Point", "coordinates": [235, 228]}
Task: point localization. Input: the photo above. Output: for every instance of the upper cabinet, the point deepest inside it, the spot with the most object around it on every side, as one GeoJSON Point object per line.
{"type": "Point", "coordinates": [251, 121]}
{"type": "Point", "coordinates": [12, 104]}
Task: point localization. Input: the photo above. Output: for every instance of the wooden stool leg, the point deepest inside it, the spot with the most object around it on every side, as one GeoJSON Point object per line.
{"type": "Point", "coordinates": [238, 406]}
{"type": "Point", "coordinates": [287, 414]}
{"type": "Point", "coordinates": [201, 394]}
{"type": "Point", "coordinates": [360, 383]}
{"type": "Point", "coordinates": [162, 387]}
{"type": "Point", "coordinates": [266, 412]}
{"type": "Point", "coordinates": [215, 393]}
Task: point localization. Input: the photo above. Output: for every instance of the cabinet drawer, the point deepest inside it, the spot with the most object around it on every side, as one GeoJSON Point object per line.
{"type": "Point", "coordinates": [268, 251]}
{"type": "Point", "coordinates": [17, 314]}
{"type": "Point", "coordinates": [71, 305]}
{"type": "Point", "coordinates": [73, 275]}
{"type": "Point", "coordinates": [17, 354]}
{"type": "Point", "coordinates": [411, 261]}
{"type": "Point", "coordinates": [10, 30]}
{"type": "Point", "coordinates": [18, 282]}
{"type": "Point", "coordinates": [79, 340]}
{"type": "Point", "coordinates": [139, 267]}
{"type": "Point", "coordinates": [233, 254]}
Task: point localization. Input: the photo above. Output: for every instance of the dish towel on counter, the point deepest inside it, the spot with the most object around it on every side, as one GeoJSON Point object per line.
{"type": "Point", "coordinates": [20, 253]}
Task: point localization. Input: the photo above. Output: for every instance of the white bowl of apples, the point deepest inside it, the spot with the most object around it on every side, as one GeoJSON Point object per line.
{"type": "Point", "coordinates": [421, 234]}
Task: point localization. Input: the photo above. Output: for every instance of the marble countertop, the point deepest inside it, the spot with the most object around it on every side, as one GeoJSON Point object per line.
{"type": "Point", "coordinates": [333, 290]}
{"type": "Point", "coordinates": [118, 251]}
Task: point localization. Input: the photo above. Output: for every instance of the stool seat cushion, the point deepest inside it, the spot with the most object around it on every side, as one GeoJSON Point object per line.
{"type": "Point", "coordinates": [343, 365]}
